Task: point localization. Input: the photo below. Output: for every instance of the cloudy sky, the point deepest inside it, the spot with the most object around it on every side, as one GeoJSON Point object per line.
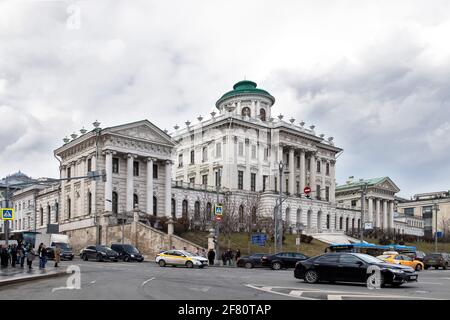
{"type": "Point", "coordinates": [373, 74]}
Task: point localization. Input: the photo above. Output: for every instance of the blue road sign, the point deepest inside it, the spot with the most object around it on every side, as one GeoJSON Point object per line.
{"type": "Point", "coordinates": [439, 234]}
{"type": "Point", "coordinates": [7, 214]}
{"type": "Point", "coordinates": [218, 210]}
{"type": "Point", "coordinates": [259, 239]}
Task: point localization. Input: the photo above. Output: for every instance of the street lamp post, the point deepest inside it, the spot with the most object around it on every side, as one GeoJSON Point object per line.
{"type": "Point", "coordinates": [217, 247]}
{"type": "Point", "coordinates": [279, 220]}
{"type": "Point", "coordinates": [436, 209]}
{"type": "Point", "coordinates": [363, 202]}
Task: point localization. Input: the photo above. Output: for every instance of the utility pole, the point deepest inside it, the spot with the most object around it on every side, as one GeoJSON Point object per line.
{"type": "Point", "coordinates": [6, 222]}
{"type": "Point", "coordinates": [363, 202]}
{"type": "Point", "coordinates": [436, 209]}
{"type": "Point", "coordinates": [279, 220]}
{"type": "Point", "coordinates": [217, 247]}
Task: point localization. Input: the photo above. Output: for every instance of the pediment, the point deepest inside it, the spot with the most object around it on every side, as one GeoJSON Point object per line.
{"type": "Point", "coordinates": [143, 130]}
{"type": "Point", "coordinates": [388, 184]}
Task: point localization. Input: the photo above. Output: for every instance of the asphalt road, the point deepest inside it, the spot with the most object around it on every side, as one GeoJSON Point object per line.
{"type": "Point", "coordinates": [110, 280]}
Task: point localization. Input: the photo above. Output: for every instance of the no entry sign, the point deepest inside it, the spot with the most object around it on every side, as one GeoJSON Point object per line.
{"type": "Point", "coordinates": [307, 190]}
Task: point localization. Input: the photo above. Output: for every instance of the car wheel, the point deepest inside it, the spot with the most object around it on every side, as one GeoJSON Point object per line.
{"type": "Point", "coordinates": [189, 264]}
{"type": "Point", "coordinates": [126, 259]}
{"type": "Point", "coordinates": [418, 267]}
{"type": "Point", "coordinates": [162, 263]}
{"type": "Point", "coordinates": [84, 257]}
{"type": "Point", "coordinates": [99, 258]}
{"type": "Point", "coordinates": [427, 267]}
{"type": "Point", "coordinates": [276, 266]}
{"type": "Point", "coordinates": [248, 265]}
{"type": "Point", "coordinates": [311, 276]}
{"type": "Point", "coordinates": [445, 267]}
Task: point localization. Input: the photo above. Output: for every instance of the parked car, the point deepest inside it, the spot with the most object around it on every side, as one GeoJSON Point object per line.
{"type": "Point", "coordinates": [437, 260]}
{"type": "Point", "coordinates": [351, 267]}
{"type": "Point", "coordinates": [419, 255]}
{"type": "Point", "coordinates": [180, 258]}
{"type": "Point", "coordinates": [127, 252]}
{"type": "Point", "coordinates": [99, 253]}
{"type": "Point", "coordinates": [66, 251]}
{"type": "Point", "coordinates": [282, 260]}
{"type": "Point", "coordinates": [251, 261]}
{"type": "Point", "coordinates": [402, 259]}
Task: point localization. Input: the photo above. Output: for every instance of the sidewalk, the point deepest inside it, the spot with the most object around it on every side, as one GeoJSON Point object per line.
{"type": "Point", "coordinates": [12, 275]}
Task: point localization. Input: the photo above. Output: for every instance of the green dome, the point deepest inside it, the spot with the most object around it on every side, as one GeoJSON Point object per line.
{"type": "Point", "coordinates": [245, 87]}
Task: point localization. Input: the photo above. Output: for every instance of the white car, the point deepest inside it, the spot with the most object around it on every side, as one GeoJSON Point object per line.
{"type": "Point", "coordinates": [180, 258]}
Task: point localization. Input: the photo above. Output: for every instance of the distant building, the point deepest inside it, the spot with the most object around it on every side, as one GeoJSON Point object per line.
{"type": "Point", "coordinates": [424, 206]}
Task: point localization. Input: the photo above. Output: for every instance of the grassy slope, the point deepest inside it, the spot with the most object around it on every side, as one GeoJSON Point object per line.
{"type": "Point", "coordinates": [241, 241]}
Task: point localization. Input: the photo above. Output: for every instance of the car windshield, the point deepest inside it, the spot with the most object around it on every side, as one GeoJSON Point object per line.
{"type": "Point", "coordinates": [64, 246]}
{"type": "Point", "coordinates": [130, 249]}
{"type": "Point", "coordinates": [187, 253]}
{"type": "Point", "coordinates": [367, 258]}
{"type": "Point", "coordinates": [104, 249]}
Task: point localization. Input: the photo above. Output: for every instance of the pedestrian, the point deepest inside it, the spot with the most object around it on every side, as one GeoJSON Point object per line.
{"type": "Point", "coordinates": [21, 255]}
{"type": "Point", "coordinates": [4, 256]}
{"type": "Point", "coordinates": [13, 255]}
{"type": "Point", "coordinates": [31, 254]}
{"type": "Point", "coordinates": [238, 255]}
{"type": "Point", "coordinates": [224, 258]}
{"type": "Point", "coordinates": [57, 255]}
{"type": "Point", "coordinates": [211, 256]}
{"type": "Point", "coordinates": [229, 256]}
{"type": "Point", "coordinates": [42, 257]}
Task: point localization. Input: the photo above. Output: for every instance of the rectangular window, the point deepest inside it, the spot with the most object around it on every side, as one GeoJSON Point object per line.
{"type": "Point", "coordinates": [253, 181]}
{"type": "Point", "coordinates": [327, 193]}
{"type": "Point", "coordinates": [266, 153]}
{"type": "Point", "coordinates": [297, 187]}
{"type": "Point", "coordinates": [115, 168]}
{"type": "Point", "coordinates": [192, 156]}
{"type": "Point", "coordinates": [192, 180]}
{"type": "Point", "coordinates": [89, 165]}
{"type": "Point", "coordinates": [409, 212]}
{"type": "Point", "coordinates": [180, 160]}
{"type": "Point", "coordinates": [240, 180]}
{"type": "Point", "coordinates": [218, 150]}
{"type": "Point", "coordinates": [241, 149]}
{"type": "Point", "coordinates": [264, 182]}
{"type": "Point", "coordinates": [253, 152]}
{"type": "Point", "coordinates": [155, 171]}
{"type": "Point", "coordinates": [218, 178]}
{"type": "Point", "coordinates": [69, 173]}
{"type": "Point", "coordinates": [287, 186]}
{"type": "Point", "coordinates": [136, 168]}
{"type": "Point", "coordinates": [318, 191]}
{"type": "Point", "coordinates": [276, 184]}
{"type": "Point", "coordinates": [353, 203]}
{"type": "Point", "coordinates": [298, 162]}
{"type": "Point", "coordinates": [205, 154]}
{"type": "Point", "coordinates": [205, 179]}
{"type": "Point", "coordinates": [318, 166]}
{"type": "Point", "coordinates": [327, 171]}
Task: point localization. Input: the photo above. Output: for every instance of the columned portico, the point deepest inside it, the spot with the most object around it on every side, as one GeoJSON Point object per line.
{"type": "Point", "coordinates": [378, 213]}
{"type": "Point", "coordinates": [291, 171]}
{"type": "Point", "coordinates": [130, 160]}
{"type": "Point", "coordinates": [323, 166]}
{"type": "Point", "coordinates": [149, 192]}
{"type": "Point", "coordinates": [108, 183]}
{"type": "Point", "coordinates": [370, 210]}
{"type": "Point", "coordinates": [391, 215]}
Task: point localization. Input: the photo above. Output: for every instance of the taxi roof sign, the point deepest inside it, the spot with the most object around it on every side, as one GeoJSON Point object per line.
{"type": "Point", "coordinates": [7, 213]}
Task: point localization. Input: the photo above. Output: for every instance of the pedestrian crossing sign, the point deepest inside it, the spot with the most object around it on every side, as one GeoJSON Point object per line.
{"type": "Point", "coordinates": [7, 213]}
{"type": "Point", "coordinates": [218, 210]}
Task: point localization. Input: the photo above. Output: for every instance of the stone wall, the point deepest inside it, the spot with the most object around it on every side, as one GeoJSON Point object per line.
{"type": "Point", "coordinates": [80, 238]}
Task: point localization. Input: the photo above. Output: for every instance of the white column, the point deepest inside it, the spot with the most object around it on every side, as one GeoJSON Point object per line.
{"type": "Point", "coordinates": [108, 183]}
{"type": "Point", "coordinates": [94, 186]}
{"type": "Point", "coordinates": [385, 213]}
{"type": "Point", "coordinates": [246, 181]}
{"type": "Point", "coordinates": [391, 215]}
{"type": "Point", "coordinates": [62, 203]}
{"type": "Point", "coordinates": [333, 181]}
{"type": "Point", "coordinates": [130, 160]}
{"type": "Point", "coordinates": [72, 190]}
{"type": "Point", "coordinates": [323, 166]}
{"type": "Point", "coordinates": [81, 209]}
{"type": "Point", "coordinates": [377, 213]}
{"type": "Point", "coordinates": [150, 186]}
{"type": "Point", "coordinates": [302, 170]}
{"type": "Point", "coordinates": [370, 210]}
{"type": "Point", "coordinates": [291, 171]}
{"type": "Point", "coordinates": [312, 174]}
{"type": "Point", "coordinates": [168, 188]}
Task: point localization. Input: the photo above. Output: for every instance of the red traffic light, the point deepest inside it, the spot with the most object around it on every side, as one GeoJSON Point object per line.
{"type": "Point", "coordinates": [307, 190]}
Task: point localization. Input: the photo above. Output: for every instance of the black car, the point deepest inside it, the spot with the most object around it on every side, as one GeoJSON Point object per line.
{"type": "Point", "coordinates": [418, 255]}
{"type": "Point", "coordinates": [282, 260]}
{"type": "Point", "coordinates": [127, 252]}
{"type": "Point", "coordinates": [66, 251]}
{"type": "Point", "coordinates": [251, 261]}
{"type": "Point", "coordinates": [99, 253]}
{"type": "Point", "coordinates": [437, 260]}
{"type": "Point", "coordinates": [352, 267]}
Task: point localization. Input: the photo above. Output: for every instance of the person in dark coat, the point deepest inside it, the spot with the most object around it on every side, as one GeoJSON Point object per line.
{"type": "Point", "coordinates": [13, 255]}
{"type": "Point", "coordinates": [238, 255]}
{"type": "Point", "coordinates": [229, 256]}
{"type": "Point", "coordinates": [224, 258]}
{"type": "Point", "coordinates": [211, 256]}
{"type": "Point", "coordinates": [42, 257]}
{"type": "Point", "coordinates": [4, 255]}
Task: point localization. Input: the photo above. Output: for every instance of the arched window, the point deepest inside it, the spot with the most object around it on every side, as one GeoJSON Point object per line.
{"type": "Point", "coordinates": [241, 214]}
{"type": "Point", "coordinates": [115, 202]}
{"type": "Point", "coordinates": [42, 216]}
{"type": "Point", "coordinates": [319, 221]}
{"type": "Point", "coordinates": [253, 215]}
{"type": "Point", "coordinates": [262, 114]}
{"type": "Point", "coordinates": [184, 209]}
{"type": "Point", "coordinates": [89, 202]}
{"type": "Point", "coordinates": [197, 210]}
{"type": "Point", "coordinates": [135, 200]}
{"type": "Point", "coordinates": [328, 221]}
{"type": "Point", "coordinates": [49, 213]}
{"type": "Point", "coordinates": [288, 216]}
{"type": "Point", "coordinates": [353, 224]}
{"type": "Point", "coordinates": [308, 219]}
{"type": "Point", "coordinates": [359, 224]}
{"type": "Point", "coordinates": [174, 208]}
{"type": "Point", "coordinates": [56, 212]}
{"type": "Point", "coordinates": [155, 205]}
{"type": "Point", "coordinates": [209, 211]}
{"type": "Point", "coordinates": [340, 223]}
{"type": "Point", "coordinates": [246, 111]}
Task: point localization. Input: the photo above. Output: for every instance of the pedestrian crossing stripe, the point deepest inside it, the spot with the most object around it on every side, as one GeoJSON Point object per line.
{"type": "Point", "coordinates": [218, 210]}
{"type": "Point", "coordinates": [7, 213]}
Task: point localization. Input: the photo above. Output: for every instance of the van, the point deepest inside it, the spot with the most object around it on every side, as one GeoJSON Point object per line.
{"type": "Point", "coordinates": [127, 252]}
{"type": "Point", "coordinates": [51, 240]}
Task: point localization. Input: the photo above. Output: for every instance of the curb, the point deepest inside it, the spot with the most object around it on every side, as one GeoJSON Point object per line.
{"type": "Point", "coordinates": [31, 278]}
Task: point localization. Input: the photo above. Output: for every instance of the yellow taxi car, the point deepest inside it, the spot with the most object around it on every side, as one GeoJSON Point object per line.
{"type": "Point", "coordinates": [402, 259]}
{"type": "Point", "coordinates": [180, 258]}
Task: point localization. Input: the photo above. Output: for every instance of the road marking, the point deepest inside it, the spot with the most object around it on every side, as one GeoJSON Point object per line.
{"type": "Point", "coordinates": [202, 289]}
{"type": "Point", "coordinates": [92, 282]}
{"type": "Point", "coordinates": [440, 284]}
{"type": "Point", "coordinates": [297, 293]}
{"type": "Point", "coordinates": [336, 297]}
{"type": "Point", "coordinates": [147, 281]}
{"type": "Point", "coordinates": [275, 292]}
